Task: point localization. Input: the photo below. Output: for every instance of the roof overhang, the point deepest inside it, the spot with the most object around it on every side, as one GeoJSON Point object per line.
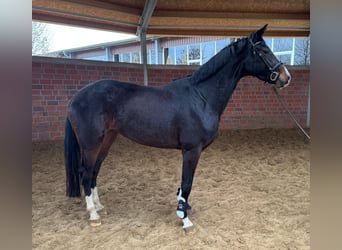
{"type": "Point", "coordinates": [233, 18]}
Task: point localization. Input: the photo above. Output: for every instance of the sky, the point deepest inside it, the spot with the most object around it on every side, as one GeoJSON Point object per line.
{"type": "Point", "coordinates": [66, 37]}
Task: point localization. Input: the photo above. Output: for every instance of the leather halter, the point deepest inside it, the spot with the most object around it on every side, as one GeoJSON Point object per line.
{"type": "Point", "coordinates": [273, 75]}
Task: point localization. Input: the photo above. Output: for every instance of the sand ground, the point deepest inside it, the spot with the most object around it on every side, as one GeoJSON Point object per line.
{"type": "Point", "coordinates": [251, 191]}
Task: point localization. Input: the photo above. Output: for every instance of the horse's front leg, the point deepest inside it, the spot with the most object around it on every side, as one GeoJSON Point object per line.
{"type": "Point", "coordinates": [190, 160]}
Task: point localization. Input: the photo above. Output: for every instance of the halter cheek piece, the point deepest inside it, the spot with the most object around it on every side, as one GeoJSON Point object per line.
{"type": "Point", "coordinates": [273, 76]}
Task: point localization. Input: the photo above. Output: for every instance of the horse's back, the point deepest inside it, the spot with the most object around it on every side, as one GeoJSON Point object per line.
{"type": "Point", "coordinates": [138, 112]}
{"type": "Point", "coordinates": [166, 116]}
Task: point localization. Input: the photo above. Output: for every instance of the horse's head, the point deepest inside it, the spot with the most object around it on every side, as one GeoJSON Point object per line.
{"type": "Point", "coordinates": [263, 64]}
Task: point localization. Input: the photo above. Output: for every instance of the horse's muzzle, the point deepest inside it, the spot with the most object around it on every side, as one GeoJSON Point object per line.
{"type": "Point", "coordinates": [284, 78]}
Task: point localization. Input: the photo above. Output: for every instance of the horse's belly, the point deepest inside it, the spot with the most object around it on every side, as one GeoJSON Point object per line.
{"type": "Point", "coordinates": [152, 138]}
{"type": "Point", "coordinates": [150, 132]}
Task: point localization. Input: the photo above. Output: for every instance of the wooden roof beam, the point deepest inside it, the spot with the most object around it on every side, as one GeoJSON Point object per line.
{"type": "Point", "coordinates": [227, 32]}
{"type": "Point", "coordinates": [58, 10]}
{"type": "Point", "coordinates": [236, 15]}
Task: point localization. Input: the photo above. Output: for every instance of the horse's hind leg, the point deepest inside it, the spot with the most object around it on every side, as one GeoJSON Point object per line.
{"type": "Point", "coordinates": [107, 142]}
{"type": "Point", "coordinates": [94, 191]}
{"type": "Point", "coordinates": [87, 171]}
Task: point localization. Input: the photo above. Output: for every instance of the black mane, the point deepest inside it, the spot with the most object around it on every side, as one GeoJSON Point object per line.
{"type": "Point", "coordinates": [216, 62]}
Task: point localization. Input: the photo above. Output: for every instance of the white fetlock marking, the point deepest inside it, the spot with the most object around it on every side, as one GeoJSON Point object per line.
{"type": "Point", "coordinates": [96, 199]}
{"type": "Point", "coordinates": [89, 202]}
{"type": "Point", "coordinates": [187, 223]}
{"type": "Point", "coordinates": [91, 208]}
{"type": "Point", "coordinates": [94, 215]}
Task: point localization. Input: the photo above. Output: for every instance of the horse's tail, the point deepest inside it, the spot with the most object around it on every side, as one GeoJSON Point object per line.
{"type": "Point", "coordinates": [72, 161]}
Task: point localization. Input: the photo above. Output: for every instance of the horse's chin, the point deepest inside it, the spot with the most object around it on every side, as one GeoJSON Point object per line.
{"type": "Point", "coordinates": [282, 84]}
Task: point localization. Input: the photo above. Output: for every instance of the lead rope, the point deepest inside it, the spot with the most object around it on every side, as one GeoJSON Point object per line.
{"type": "Point", "coordinates": [288, 111]}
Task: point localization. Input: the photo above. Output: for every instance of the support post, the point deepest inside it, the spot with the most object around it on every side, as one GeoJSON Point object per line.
{"type": "Point", "coordinates": [109, 56]}
{"type": "Point", "coordinates": [141, 33]}
{"type": "Point", "coordinates": [144, 55]}
{"type": "Point", "coordinates": [308, 110]}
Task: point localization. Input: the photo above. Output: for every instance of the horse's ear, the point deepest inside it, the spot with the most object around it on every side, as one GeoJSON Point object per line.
{"type": "Point", "coordinates": [257, 36]}
{"type": "Point", "coordinates": [261, 31]}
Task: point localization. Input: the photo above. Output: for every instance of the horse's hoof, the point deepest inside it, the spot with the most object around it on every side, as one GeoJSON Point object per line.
{"type": "Point", "coordinates": [189, 230]}
{"type": "Point", "coordinates": [187, 224]}
{"type": "Point", "coordinates": [95, 223]}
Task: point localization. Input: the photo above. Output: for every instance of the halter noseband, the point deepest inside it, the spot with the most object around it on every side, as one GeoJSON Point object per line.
{"type": "Point", "coordinates": [273, 76]}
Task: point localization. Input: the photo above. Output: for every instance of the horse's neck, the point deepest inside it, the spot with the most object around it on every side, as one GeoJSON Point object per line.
{"type": "Point", "coordinates": [218, 89]}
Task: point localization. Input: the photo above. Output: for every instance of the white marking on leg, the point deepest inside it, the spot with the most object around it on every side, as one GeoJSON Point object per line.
{"type": "Point", "coordinates": [180, 213]}
{"type": "Point", "coordinates": [187, 223]}
{"type": "Point", "coordinates": [179, 197]}
{"type": "Point", "coordinates": [96, 199]}
{"type": "Point", "coordinates": [91, 208]}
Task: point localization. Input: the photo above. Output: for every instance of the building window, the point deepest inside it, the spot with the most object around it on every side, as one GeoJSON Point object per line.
{"type": "Point", "coordinates": [169, 54]}
{"type": "Point", "coordinates": [291, 51]}
{"type": "Point", "coordinates": [151, 57]}
{"type": "Point", "coordinates": [208, 51]}
{"type": "Point", "coordinates": [116, 58]}
{"type": "Point", "coordinates": [96, 58]}
{"type": "Point", "coordinates": [283, 48]}
{"type": "Point", "coordinates": [125, 57]}
{"type": "Point", "coordinates": [302, 51]}
{"type": "Point", "coordinates": [136, 57]}
{"type": "Point", "coordinates": [220, 44]}
{"type": "Point", "coordinates": [181, 55]}
{"type": "Point", "coordinates": [194, 54]}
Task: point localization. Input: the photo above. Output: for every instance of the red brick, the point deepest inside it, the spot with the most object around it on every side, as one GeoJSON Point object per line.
{"type": "Point", "coordinates": [253, 105]}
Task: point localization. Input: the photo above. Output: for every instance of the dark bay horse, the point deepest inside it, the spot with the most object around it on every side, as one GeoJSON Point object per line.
{"type": "Point", "coordinates": [183, 114]}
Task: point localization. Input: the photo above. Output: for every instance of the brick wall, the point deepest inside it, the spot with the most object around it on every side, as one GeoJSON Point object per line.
{"type": "Point", "coordinates": [252, 106]}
